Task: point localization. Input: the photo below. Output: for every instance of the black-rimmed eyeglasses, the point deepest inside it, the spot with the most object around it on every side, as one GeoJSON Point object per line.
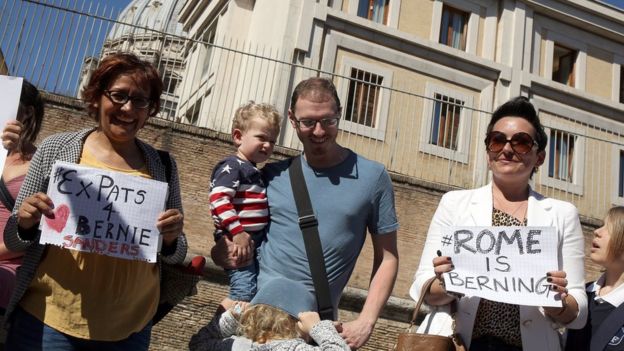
{"type": "Point", "coordinates": [121, 98]}
{"type": "Point", "coordinates": [308, 123]}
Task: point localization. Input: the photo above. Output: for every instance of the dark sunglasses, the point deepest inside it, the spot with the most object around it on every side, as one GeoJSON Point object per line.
{"type": "Point", "coordinates": [521, 143]}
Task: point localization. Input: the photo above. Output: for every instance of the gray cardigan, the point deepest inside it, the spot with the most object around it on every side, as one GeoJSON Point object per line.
{"type": "Point", "coordinates": [68, 147]}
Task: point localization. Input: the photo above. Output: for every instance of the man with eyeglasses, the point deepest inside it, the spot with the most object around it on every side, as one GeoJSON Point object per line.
{"type": "Point", "coordinates": [349, 194]}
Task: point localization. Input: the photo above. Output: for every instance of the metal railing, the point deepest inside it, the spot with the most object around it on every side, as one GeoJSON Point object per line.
{"type": "Point", "coordinates": [436, 138]}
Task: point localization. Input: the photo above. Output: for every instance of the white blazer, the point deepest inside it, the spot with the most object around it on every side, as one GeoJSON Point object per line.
{"type": "Point", "coordinates": [474, 208]}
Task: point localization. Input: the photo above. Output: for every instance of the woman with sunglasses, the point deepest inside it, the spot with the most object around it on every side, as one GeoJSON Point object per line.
{"type": "Point", "coordinates": [515, 144]}
{"type": "Point", "coordinates": [73, 300]}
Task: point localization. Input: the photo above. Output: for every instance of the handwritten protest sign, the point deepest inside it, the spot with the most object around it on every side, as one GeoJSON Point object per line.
{"type": "Point", "coordinates": [504, 264]}
{"type": "Point", "coordinates": [10, 91]}
{"type": "Point", "coordinates": [105, 212]}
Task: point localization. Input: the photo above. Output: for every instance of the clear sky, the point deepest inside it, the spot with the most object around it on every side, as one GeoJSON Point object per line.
{"type": "Point", "coordinates": [618, 3]}
{"type": "Point", "coordinates": [46, 43]}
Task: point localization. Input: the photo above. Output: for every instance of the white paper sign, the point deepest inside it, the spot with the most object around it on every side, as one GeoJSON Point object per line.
{"type": "Point", "coordinates": [504, 264]}
{"type": "Point", "coordinates": [10, 92]}
{"type": "Point", "coordinates": [105, 212]}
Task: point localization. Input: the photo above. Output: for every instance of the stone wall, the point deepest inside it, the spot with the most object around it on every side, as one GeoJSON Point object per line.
{"type": "Point", "coordinates": [196, 150]}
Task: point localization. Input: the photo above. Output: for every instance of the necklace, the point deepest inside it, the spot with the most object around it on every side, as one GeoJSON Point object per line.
{"type": "Point", "coordinates": [523, 204]}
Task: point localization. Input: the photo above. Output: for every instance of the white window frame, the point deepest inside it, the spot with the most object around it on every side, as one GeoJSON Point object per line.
{"type": "Point", "coordinates": [578, 171]}
{"type": "Point", "coordinates": [615, 175]}
{"type": "Point", "coordinates": [473, 22]}
{"type": "Point", "coordinates": [393, 12]}
{"type": "Point", "coordinates": [383, 106]}
{"type": "Point", "coordinates": [206, 54]}
{"type": "Point", "coordinates": [581, 59]}
{"type": "Point", "coordinates": [618, 66]}
{"type": "Point", "coordinates": [465, 124]}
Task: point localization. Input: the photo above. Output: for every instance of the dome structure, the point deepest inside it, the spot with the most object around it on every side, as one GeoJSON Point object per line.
{"type": "Point", "coordinates": [157, 15]}
{"type": "Point", "coordinates": [149, 29]}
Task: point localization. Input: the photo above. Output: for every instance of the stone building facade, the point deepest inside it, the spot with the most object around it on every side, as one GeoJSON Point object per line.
{"type": "Point", "coordinates": [418, 80]}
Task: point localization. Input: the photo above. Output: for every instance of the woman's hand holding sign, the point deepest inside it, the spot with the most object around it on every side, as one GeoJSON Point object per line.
{"type": "Point", "coordinates": [29, 213]}
{"type": "Point", "coordinates": [568, 311]}
{"type": "Point", "coordinates": [437, 294]}
{"type": "Point", "coordinates": [170, 223]}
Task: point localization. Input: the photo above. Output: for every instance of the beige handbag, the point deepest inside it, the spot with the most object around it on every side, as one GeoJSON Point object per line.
{"type": "Point", "coordinates": [411, 341]}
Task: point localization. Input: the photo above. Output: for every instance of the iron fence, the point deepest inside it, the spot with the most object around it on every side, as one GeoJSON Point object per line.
{"type": "Point", "coordinates": [429, 137]}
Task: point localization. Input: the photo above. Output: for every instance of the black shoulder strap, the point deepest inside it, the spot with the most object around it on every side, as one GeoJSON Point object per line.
{"type": "Point", "coordinates": [5, 196]}
{"type": "Point", "coordinates": [607, 329]}
{"type": "Point", "coordinates": [166, 160]}
{"type": "Point", "coordinates": [309, 227]}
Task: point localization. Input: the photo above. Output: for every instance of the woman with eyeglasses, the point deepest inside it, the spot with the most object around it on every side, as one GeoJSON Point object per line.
{"type": "Point", "coordinates": [73, 300]}
{"type": "Point", "coordinates": [515, 143]}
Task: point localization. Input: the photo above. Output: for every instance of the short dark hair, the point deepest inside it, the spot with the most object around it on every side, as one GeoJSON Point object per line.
{"type": "Point", "coordinates": [30, 97]}
{"type": "Point", "coordinates": [315, 87]}
{"type": "Point", "coordinates": [520, 107]}
{"type": "Point", "coordinates": [115, 65]}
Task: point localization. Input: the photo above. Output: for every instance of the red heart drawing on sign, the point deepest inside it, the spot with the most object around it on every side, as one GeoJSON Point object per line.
{"type": "Point", "coordinates": [61, 214]}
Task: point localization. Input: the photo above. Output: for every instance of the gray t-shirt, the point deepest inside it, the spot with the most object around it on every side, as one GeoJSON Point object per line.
{"type": "Point", "coordinates": [348, 199]}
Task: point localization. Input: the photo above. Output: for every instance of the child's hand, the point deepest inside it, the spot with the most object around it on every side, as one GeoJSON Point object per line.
{"type": "Point", "coordinates": [239, 308]}
{"type": "Point", "coordinates": [307, 320]}
{"type": "Point", "coordinates": [244, 246]}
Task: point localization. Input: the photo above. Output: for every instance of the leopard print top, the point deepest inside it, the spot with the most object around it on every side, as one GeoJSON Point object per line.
{"type": "Point", "coordinates": [501, 320]}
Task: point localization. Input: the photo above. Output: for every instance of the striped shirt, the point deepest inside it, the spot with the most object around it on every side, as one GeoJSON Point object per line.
{"type": "Point", "coordinates": [238, 199]}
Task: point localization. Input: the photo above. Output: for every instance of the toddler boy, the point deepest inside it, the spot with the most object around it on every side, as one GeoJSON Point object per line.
{"type": "Point", "coordinates": [238, 201]}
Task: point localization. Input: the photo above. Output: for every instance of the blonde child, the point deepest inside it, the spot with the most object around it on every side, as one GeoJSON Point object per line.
{"type": "Point", "coordinates": [605, 324]}
{"type": "Point", "coordinates": [238, 201]}
{"type": "Point", "coordinates": [278, 318]}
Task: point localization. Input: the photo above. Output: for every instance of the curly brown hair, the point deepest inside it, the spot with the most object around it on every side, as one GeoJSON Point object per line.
{"type": "Point", "coordinates": [115, 65]}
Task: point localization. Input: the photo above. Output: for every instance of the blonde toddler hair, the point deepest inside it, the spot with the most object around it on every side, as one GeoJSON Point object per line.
{"type": "Point", "coordinates": [263, 323]}
{"type": "Point", "coordinates": [245, 113]}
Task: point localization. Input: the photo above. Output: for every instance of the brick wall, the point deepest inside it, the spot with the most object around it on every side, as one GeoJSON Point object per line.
{"type": "Point", "coordinates": [196, 150]}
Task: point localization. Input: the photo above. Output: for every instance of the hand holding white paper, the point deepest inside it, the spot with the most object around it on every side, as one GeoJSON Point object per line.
{"type": "Point", "coordinates": [504, 264]}
{"type": "Point", "coordinates": [105, 212]}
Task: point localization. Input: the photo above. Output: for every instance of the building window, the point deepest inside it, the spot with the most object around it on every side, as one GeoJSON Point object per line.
{"type": "Point", "coordinates": [192, 114]}
{"type": "Point", "coordinates": [363, 97]}
{"type": "Point", "coordinates": [364, 89]}
{"type": "Point", "coordinates": [170, 83]}
{"type": "Point", "coordinates": [446, 123]}
{"type": "Point", "coordinates": [207, 42]}
{"type": "Point", "coordinates": [617, 175]}
{"type": "Point", "coordinates": [374, 10]}
{"type": "Point", "coordinates": [564, 62]}
{"type": "Point", "coordinates": [621, 175]}
{"type": "Point", "coordinates": [561, 163]}
{"type": "Point", "coordinates": [445, 120]}
{"type": "Point", "coordinates": [454, 27]}
{"type": "Point", "coordinates": [168, 108]}
{"type": "Point", "coordinates": [622, 84]}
